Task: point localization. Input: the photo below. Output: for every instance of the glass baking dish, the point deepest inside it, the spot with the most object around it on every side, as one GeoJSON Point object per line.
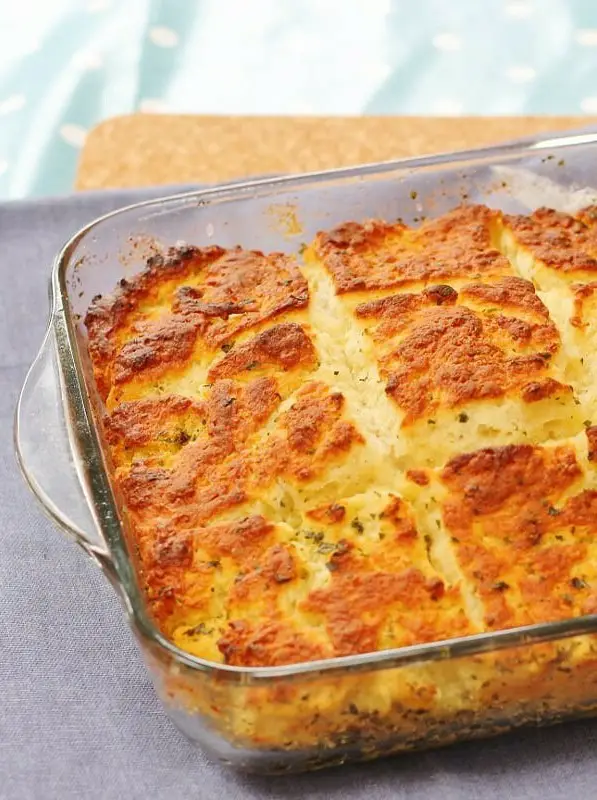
{"type": "Point", "coordinates": [308, 715]}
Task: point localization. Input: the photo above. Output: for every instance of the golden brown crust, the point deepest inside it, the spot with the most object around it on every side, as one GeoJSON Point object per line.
{"type": "Point", "coordinates": [137, 423]}
{"type": "Point", "coordinates": [108, 316]}
{"type": "Point", "coordinates": [591, 432]}
{"type": "Point", "coordinates": [376, 255]}
{"type": "Point", "coordinates": [332, 512]}
{"type": "Point", "coordinates": [182, 563]}
{"type": "Point", "coordinates": [285, 346]}
{"type": "Point", "coordinates": [562, 242]}
{"type": "Point", "coordinates": [582, 292]}
{"type": "Point", "coordinates": [436, 352]}
{"type": "Point", "coordinates": [311, 433]}
{"type": "Point", "coordinates": [268, 644]}
{"type": "Point", "coordinates": [263, 469]}
{"type": "Point", "coordinates": [519, 539]}
{"type": "Point", "coordinates": [155, 349]}
{"type": "Point", "coordinates": [241, 290]}
{"type": "Point", "coordinates": [508, 294]}
{"type": "Point", "coordinates": [366, 600]}
{"type": "Point", "coordinates": [229, 292]}
{"type": "Point", "coordinates": [375, 589]}
{"type": "Point", "coordinates": [418, 476]}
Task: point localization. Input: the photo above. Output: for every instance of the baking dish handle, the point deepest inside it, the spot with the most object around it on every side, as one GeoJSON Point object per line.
{"type": "Point", "coordinates": [45, 454]}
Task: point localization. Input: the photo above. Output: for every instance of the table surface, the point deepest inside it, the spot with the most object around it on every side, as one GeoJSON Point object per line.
{"type": "Point", "coordinates": [147, 150]}
{"type": "Point", "coordinates": [66, 65]}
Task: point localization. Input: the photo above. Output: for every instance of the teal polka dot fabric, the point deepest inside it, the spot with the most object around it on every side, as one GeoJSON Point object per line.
{"type": "Point", "coordinates": [67, 64]}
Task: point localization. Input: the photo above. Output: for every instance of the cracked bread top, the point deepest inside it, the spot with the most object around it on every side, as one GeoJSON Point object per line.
{"type": "Point", "coordinates": [386, 444]}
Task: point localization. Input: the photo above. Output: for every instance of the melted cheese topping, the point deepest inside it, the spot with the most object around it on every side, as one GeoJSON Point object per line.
{"type": "Point", "coordinates": [390, 444]}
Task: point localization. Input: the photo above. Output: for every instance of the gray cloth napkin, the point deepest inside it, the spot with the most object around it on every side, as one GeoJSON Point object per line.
{"type": "Point", "coordinates": [78, 715]}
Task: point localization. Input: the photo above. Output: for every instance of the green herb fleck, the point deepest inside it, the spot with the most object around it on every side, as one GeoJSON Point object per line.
{"type": "Point", "coordinates": [252, 365]}
{"type": "Point", "coordinates": [180, 438]}
{"type": "Point", "coordinates": [568, 599]}
{"type": "Point", "coordinates": [587, 423]}
{"type": "Point", "coordinates": [227, 348]}
{"type": "Point", "coordinates": [462, 417]}
{"type": "Point", "coordinates": [413, 195]}
{"type": "Point", "coordinates": [326, 547]}
{"type": "Point", "coordinates": [431, 422]}
{"type": "Point", "coordinates": [553, 512]}
{"type": "Point", "coordinates": [198, 630]}
{"type": "Point", "coordinates": [316, 536]}
{"type": "Point", "coordinates": [579, 583]}
{"type": "Point", "coordinates": [357, 525]}
{"type": "Point", "coordinates": [501, 586]}
{"type": "Point", "coordinates": [561, 162]}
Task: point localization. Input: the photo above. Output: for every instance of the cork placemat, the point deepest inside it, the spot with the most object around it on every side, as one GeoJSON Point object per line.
{"type": "Point", "coordinates": [147, 150]}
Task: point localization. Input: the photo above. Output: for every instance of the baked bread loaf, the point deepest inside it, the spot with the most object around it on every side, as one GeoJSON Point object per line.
{"type": "Point", "coordinates": [383, 441]}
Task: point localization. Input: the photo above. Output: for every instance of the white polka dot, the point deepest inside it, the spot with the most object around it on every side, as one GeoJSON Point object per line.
{"type": "Point", "coordinates": [95, 6]}
{"type": "Point", "coordinates": [163, 37]}
{"type": "Point", "coordinates": [73, 134]}
{"type": "Point", "coordinates": [589, 105]}
{"type": "Point", "coordinates": [87, 59]}
{"type": "Point", "coordinates": [586, 37]}
{"type": "Point", "coordinates": [521, 73]}
{"type": "Point", "coordinates": [306, 109]}
{"type": "Point", "coordinates": [519, 9]}
{"type": "Point", "coordinates": [15, 48]}
{"type": "Point", "coordinates": [379, 7]}
{"type": "Point", "coordinates": [29, 47]}
{"type": "Point", "coordinates": [14, 102]}
{"type": "Point", "coordinates": [153, 105]}
{"type": "Point", "coordinates": [448, 42]}
{"type": "Point", "coordinates": [300, 44]}
{"type": "Point", "coordinates": [376, 70]}
{"type": "Point", "coordinates": [447, 107]}
{"type": "Point", "coordinates": [3, 166]}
